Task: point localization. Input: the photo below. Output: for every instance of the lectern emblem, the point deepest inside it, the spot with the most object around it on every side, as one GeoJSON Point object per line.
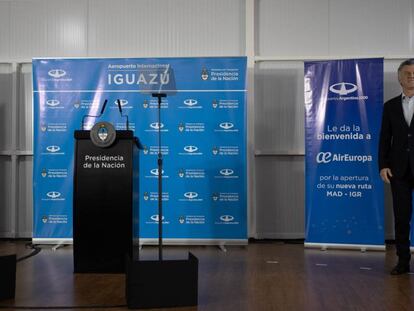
{"type": "Point", "coordinates": [145, 104]}
{"type": "Point", "coordinates": [44, 219]}
{"type": "Point", "coordinates": [215, 150]}
{"type": "Point", "coordinates": [181, 219]}
{"type": "Point", "coordinates": [181, 173]}
{"type": "Point", "coordinates": [181, 127]}
{"type": "Point", "coordinates": [214, 104]}
{"type": "Point", "coordinates": [215, 196]}
{"type": "Point", "coordinates": [44, 173]}
{"type": "Point", "coordinates": [103, 134]}
{"type": "Point", "coordinates": [146, 196]}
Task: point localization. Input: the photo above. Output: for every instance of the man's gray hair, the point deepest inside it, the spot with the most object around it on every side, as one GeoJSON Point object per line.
{"type": "Point", "coordinates": [407, 62]}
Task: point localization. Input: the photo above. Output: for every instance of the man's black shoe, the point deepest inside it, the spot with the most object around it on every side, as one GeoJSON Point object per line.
{"type": "Point", "coordinates": [400, 269]}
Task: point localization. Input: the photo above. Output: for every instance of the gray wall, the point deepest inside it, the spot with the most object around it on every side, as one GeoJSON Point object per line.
{"type": "Point", "coordinates": [286, 33]}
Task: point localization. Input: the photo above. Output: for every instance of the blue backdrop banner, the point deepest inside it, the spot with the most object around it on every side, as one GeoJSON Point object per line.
{"type": "Point", "coordinates": [344, 193]}
{"type": "Point", "coordinates": [203, 128]}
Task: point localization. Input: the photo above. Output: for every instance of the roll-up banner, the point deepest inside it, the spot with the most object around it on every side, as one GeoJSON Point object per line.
{"type": "Point", "coordinates": [344, 193]}
{"type": "Point", "coordinates": [203, 130]}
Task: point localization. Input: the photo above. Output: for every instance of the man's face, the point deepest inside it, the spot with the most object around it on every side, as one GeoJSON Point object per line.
{"type": "Point", "coordinates": [406, 77]}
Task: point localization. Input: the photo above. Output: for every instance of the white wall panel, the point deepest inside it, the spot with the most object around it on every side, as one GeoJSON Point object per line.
{"type": "Point", "coordinates": [166, 28]}
{"type": "Point", "coordinates": [25, 109]}
{"type": "Point", "coordinates": [280, 197]}
{"type": "Point", "coordinates": [289, 28]}
{"type": "Point", "coordinates": [5, 197]}
{"type": "Point", "coordinates": [48, 28]}
{"type": "Point", "coordinates": [5, 106]}
{"type": "Point", "coordinates": [25, 199]}
{"type": "Point", "coordinates": [279, 109]}
{"type": "Point", "coordinates": [370, 27]}
{"type": "Point", "coordinates": [4, 30]}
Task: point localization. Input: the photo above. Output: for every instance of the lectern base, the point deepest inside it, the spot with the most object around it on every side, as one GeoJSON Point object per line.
{"type": "Point", "coordinates": [162, 284]}
{"type": "Point", "coordinates": [7, 277]}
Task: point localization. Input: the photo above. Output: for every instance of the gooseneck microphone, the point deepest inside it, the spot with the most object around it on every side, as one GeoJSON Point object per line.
{"type": "Point", "coordinates": [123, 116]}
{"type": "Point", "coordinates": [88, 115]}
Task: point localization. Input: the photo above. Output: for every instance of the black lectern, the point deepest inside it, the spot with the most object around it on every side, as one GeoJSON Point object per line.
{"type": "Point", "coordinates": [105, 180]}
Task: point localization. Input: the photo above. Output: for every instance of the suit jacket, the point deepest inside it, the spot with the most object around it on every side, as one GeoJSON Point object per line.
{"type": "Point", "coordinates": [396, 144]}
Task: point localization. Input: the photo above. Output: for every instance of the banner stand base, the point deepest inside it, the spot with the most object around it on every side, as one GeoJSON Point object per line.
{"type": "Point", "coordinates": [161, 283]}
{"type": "Point", "coordinates": [362, 248]}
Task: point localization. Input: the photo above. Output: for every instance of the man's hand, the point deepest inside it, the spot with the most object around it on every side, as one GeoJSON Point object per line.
{"type": "Point", "coordinates": [385, 174]}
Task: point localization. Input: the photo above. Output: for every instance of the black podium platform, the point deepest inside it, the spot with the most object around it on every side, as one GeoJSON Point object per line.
{"type": "Point", "coordinates": [162, 283]}
{"type": "Point", "coordinates": [7, 277]}
{"type": "Point", "coordinates": [104, 185]}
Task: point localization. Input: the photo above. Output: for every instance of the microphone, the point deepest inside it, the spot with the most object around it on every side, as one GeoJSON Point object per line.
{"type": "Point", "coordinates": [88, 115]}
{"type": "Point", "coordinates": [120, 112]}
{"type": "Point", "coordinates": [103, 107]}
{"type": "Point", "coordinates": [119, 106]}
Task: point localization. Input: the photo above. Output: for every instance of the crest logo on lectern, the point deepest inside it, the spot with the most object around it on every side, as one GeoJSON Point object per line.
{"type": "Point", "coordinates": [103, 134]}
{"type": "Point", "coordinates": [44, 219]}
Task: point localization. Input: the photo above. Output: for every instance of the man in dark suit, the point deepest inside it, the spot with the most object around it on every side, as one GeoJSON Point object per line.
{"type": "Point", "coordinates": [396, 160]}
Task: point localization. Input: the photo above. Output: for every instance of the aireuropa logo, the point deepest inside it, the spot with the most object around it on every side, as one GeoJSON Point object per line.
{"type": "Point", "coordinates": [57, 73]}
{"type": "Point", "coordinates": [327, 157]}
{"type": "Point", "coordinates": [52, 102]}
{"type": "Point", "coordinates": [53, 149]}
{"type": "Point", "coordinates": [226, 172]}
{"type": "Point", "coordinates": [190, 149]}
{"type": "Point", "coordinates": [343, 88]}
{"type": "Point", "coordinates": [323, 157]}
{"type": "Point", "coordinates": [191, 195]}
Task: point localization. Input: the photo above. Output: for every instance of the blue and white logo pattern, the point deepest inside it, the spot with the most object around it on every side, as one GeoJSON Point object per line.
{"type": "Point", "coordinates": [203, 133]}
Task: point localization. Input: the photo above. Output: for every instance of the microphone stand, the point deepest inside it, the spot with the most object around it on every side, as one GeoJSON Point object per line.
{"type": "Point", "coordinates": [159, 96]}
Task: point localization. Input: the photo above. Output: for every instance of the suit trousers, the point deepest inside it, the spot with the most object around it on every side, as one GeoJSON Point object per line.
{"type": "Point", "coordinates": [402, 189]}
